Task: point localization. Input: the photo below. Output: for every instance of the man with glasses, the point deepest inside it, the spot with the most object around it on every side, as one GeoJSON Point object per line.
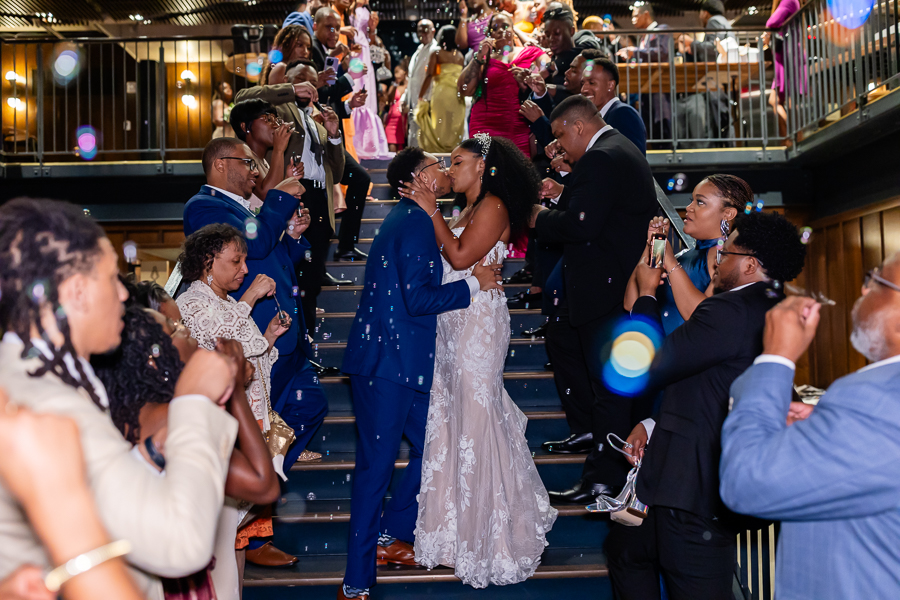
{"type": "Point", "coordinates": [274, 249]}
{"type": "Point", "coordinates": [688, 534]}
{"type": "Point", "coordinates": [833, 479]}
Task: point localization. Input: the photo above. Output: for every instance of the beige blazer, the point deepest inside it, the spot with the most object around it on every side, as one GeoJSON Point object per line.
{"type": "Point", "coordinates": [282, 96]}
{"type": "Point", "coordinates": [170, 520]}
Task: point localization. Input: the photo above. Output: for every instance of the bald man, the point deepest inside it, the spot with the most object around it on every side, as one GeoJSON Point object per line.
{"type": "Point", "coordinates": [418, 65]}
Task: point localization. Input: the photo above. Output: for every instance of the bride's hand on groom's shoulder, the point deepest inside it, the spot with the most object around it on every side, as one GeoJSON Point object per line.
{"type": "Point", "coordinates": [420, 191]}
{"type": "Point", "coordinates": [489, 276]}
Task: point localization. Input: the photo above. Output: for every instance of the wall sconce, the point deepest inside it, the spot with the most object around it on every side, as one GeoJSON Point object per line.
{"type": "Point", "coordinates": [14, 80]}
{"type": "Point", "coordinates": [187, 98]}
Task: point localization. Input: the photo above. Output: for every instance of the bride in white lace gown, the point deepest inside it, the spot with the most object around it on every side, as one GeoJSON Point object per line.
{"type": "Point", "coordinates": [483, 509]}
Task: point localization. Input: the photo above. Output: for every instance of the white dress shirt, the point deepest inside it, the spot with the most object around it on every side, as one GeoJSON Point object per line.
{"type": "Point", "coordinates": [313, 170]}
{"type": "Point", "coordinates": [606, 107]}
{"type": "Point", "coordinates": [242, 201]}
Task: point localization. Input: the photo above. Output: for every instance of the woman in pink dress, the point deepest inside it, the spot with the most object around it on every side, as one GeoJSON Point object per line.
{"type": "Point", "coordinates": [394, 117]}
{"type": "Point", "coordinates": [489, 79]}
{"type": "Point", "coordinates": [369, 137]}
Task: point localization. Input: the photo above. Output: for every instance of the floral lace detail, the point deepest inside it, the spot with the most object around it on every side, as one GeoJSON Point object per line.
{"type": "Point", "coordinates": [482, 506]}
{"type": "Point", "coordinates": [209, 317]}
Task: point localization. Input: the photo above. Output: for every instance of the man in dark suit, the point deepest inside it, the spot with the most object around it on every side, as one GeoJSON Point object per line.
{"type": "Point", "coordinates": [688, 535]}
{"type": "Point", "coordinates": [600, 83]}
{"type": "Point", "coordinates": [272, 250]}
{"type": "Point", "coordinates": [325, 43]}
{"type": "Point", "coordinates": [610, 198]}
{"type": "Point", "coordinates": [390, 360]}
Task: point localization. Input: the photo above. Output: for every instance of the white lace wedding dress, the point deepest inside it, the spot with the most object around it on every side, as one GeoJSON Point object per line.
{"type": "Point", "coordinates": [482, 506]}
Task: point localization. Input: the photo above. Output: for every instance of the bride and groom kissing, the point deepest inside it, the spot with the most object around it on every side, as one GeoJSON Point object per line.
{"type": "Point", "coordinates": [425, 357]}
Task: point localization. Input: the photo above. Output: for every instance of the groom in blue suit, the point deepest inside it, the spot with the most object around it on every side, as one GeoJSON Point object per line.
{"type": "Point", "coordinates": [390, 360]}
{"type": "Point", "coordinates": [833, 480]}
{"type": "Point", "coordinates": [274, 251]}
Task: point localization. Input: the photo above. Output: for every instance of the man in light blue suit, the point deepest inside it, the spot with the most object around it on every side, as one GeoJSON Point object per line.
{"type": "Point", "coordinates": [834, 478]}
{"type": "Point", "coordinates": [390, 360]}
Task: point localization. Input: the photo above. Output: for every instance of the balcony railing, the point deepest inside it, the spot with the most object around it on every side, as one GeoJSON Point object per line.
{"type": "Point", "coordinates": [147, 99]}
{"type": "Point", "coordinates": [837, 63]}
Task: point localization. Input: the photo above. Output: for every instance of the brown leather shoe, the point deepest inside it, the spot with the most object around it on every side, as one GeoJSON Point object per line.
{"type": "Point", "coordinates": [399, 553]}
{"type": "Point", "coordinates": [268, 555]}
{"type": "Point", "coordinates": [341, 595]}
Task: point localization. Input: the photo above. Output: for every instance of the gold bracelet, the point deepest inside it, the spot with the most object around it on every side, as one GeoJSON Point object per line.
{"type": "Point", "coordinates": [85, 562]}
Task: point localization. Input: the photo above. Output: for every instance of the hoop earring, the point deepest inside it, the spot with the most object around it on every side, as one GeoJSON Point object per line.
{"type": "Point", "coordinates": [726, 228]}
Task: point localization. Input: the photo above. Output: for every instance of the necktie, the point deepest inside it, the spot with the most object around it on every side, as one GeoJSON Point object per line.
{"type": "Point", "coordinates": [314, 146]}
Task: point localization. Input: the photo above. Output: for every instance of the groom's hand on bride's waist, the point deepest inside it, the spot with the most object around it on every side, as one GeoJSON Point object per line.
{"type": "Point", "coordinates": [488, 276]}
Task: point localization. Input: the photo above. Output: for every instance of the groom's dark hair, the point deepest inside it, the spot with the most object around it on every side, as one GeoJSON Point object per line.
{"type": "Point", "coordinates": [400, 170]}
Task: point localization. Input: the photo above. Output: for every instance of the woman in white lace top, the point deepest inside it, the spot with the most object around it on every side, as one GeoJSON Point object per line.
{"type": "Point", "coordinates": [214, 260]}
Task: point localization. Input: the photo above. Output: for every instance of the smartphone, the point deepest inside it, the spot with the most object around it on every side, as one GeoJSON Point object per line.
{"type": "Point", "coordinates": [332, 62]}
{"type": "Point", "coordinates": [657, 251]}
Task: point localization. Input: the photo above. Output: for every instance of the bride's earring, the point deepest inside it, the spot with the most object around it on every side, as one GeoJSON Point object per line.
{"type": "Point", "coordinates": [209, 280]}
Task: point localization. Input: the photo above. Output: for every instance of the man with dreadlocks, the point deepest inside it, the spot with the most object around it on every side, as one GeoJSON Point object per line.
{"type": "Point", "coordinates": [61, 302]}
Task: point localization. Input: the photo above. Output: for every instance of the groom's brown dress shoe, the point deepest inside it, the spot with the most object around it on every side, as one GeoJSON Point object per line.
{"type": "Point", "coordinates": [268, 555]}
{"type": "Point", "coordinates": [398, 552]}
{"type": "Point", "coordinates": [341, 595]}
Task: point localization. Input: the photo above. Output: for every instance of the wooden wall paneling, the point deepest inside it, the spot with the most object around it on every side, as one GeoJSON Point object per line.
{"type": "Point", "coordinates": [817, 266]}
{"type": "Point", "coordinates": [890, 223]}
{"type": "Point", "coordinates": [835, 284]}
{"type": "Point", "coordinates": [872, 248]}
{"type": "Point", "coordinates": [853, 277]}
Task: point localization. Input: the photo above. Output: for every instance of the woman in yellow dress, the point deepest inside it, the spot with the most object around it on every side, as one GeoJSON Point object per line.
{"type": "Point", "coordinates": [442, 118]}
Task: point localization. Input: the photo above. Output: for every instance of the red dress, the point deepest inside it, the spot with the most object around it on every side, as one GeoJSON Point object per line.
{"type": "Point", "coordinates": [395, 124]}
{"type": "Point", "coordinates": [496, 112]}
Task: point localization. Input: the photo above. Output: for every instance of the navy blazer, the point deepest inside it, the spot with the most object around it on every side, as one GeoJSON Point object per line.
{"type": "Point", "coordinates": [393, 334]}
{"type": "Point", "coordinates": [271, 252]}
{"type": "Point", "coordinates": [627, 121]}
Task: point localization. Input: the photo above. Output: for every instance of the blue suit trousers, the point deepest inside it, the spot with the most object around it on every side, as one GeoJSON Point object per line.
{"type": "Point", "coordinates": [299, 398]}
{"type": "Point", "coordinates": [385, 413]}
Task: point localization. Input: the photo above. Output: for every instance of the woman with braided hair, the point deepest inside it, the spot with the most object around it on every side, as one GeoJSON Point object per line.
{"type": "Point", "coordinates": [482, 506]}
{"type": "Point", "coordinates": [61, 302]}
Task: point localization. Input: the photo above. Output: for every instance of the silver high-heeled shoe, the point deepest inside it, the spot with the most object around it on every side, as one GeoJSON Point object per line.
{"type": "Point", "coordinates": [624, 508]}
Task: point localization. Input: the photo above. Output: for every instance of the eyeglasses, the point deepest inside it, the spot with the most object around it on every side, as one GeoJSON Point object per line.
{"type": "Point", "coordinates": [273, 120]}
{"type": "Point", "coordinates": [721, 253]}
{"type": "Point", "coordinates": [247, 161]}
{"type": "Point", "coordinates": [438, 162]}
{"type": "Point", "coordinates": [873, 275]}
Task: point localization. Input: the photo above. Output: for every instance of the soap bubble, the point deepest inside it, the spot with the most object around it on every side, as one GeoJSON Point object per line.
{"type": "Point", "coordinates": [275, 56]}
{"type": "Point", "coordinates": [86, 142]}
{"type": "Point", "coordinates": [634, 345]}
{"type": "Point", "coordinates": [251, 229]}
{"type": "Point", "coordinates": [66, 63]}
{"type": "Point", "coordinates": [129, 249]}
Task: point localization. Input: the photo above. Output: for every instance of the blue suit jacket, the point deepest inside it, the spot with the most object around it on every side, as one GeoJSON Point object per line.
{"type": "Point", "coordinates": [833, 479]}
{"type": "Point", "coordinates": [393, 334]}
{"type": "Point", "coordinates": [627, 121]}
{"type": "Point", "coordinates": [271, 252]}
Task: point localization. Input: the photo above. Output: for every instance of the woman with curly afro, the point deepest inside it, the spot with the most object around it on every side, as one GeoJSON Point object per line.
{"type": "Point", "coordinates": [482, 507]}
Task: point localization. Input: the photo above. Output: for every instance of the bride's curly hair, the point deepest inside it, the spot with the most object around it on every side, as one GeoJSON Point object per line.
{"type": "Point", "coordinates": [509, 175]}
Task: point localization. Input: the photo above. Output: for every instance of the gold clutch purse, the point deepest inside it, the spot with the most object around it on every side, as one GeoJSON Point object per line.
{"type": "Point", "coordinates": [280, 435]}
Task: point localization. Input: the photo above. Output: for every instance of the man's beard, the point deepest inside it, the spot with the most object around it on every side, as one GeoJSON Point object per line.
{"type": "Point", "coordinates": [727, 282]}
{"type": "Point", "coordinates": [868, 338]}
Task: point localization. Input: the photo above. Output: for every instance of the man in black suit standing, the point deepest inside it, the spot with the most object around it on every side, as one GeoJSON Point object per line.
{"type": "Point", "coordinates": [688, 535]}
{"type": "Point", "coordinates": [610, 198]}
{"type": "Point", "coordinates": [327, 28]}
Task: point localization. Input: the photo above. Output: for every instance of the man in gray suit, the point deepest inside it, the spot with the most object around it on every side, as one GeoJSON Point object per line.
{"type": "Point", "coordinates": [833, 480]}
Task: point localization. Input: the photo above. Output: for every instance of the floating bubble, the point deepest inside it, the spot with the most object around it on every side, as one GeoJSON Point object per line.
{"type": "Point", "coordinates": [671, 185]}
{"type": "Point", "coordinates": [129, 249]}
{"type": "Point", "coordinates": [251, 229]}
{"type": "Point", "coordinates": [254, 69]}
{"type": "Point", "coordinates": [275, 56]}
{"type": "Point", "coordinates": [851, 14]}
{"type": "Point", "coordinates": [634, 346]}
{"type": "Point", "coordinates": [805, 234]}
{"type": "Point", "coordinates": [66, 64]}
{"type": "Point", "coordinates": [681, 181]}
{"type": "Point", "coordinates": [38, 290]}
{"type": "Point", "coordinates": [86, 212]}
{"type": "Point", "coordinates": [748, 209]}
{"type": "Point", "coordinates": [154, 350]}
{"type": "Point", "coordinates": [357, 65]}
{"type": "Point", "coordinates": [311, 496]}
{"type": "Point", "coordinates": [86, 142]}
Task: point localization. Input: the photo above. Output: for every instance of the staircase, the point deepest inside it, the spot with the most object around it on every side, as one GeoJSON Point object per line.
{"type": "Point", "coordinates": [311, 520]}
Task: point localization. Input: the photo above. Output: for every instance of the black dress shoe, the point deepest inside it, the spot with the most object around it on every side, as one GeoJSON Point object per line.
{"type": "Point", "coordinates": [580, 494]}
{"type": "Point", "coordinates": [330, 279]}
{"type": "Point", "coordinates": [574, 444]}
{"type": "Point", "coordinates": [536, 332]}
{"type": "Point", "coordinates": [524, 300]}
{"type": "Point", "coordinates": [323, 371]}
{"type": "Point", "coordinates": [351, 255]}
{"type": "Point", "coordinates": [523, 275]}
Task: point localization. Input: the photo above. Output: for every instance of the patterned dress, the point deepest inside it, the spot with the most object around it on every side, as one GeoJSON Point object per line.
{"type": "Point", "coordinates": [483, 508]}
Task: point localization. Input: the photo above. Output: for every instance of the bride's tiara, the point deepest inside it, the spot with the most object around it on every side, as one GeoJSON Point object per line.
{"type": "Point", "coordinates": [484, 139]}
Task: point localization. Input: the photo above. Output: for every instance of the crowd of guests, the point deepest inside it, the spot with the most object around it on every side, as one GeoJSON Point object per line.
{"type": "Point", "coordinates": [143, 431]}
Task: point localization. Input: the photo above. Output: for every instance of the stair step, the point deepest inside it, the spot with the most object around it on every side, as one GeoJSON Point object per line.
{"type": "Point", "coordinates": [338, 432]}
{"type": "Point", "coordinates": [305, 533]}
{"type": "Point", "coordinates": [380, 207]}
{"type": "Point", "coordinates": [523, 354]}
{"type": "Point", "coordinates": [584, 570]}
{"type": "Point", "coordinates": [356, 272]}
{"type": "Point", "coordinates": [331, 477]}
{"type": "Point", "coordinates": [534, 390]}
{"type": "Point", "coordinates": [335, 327]}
